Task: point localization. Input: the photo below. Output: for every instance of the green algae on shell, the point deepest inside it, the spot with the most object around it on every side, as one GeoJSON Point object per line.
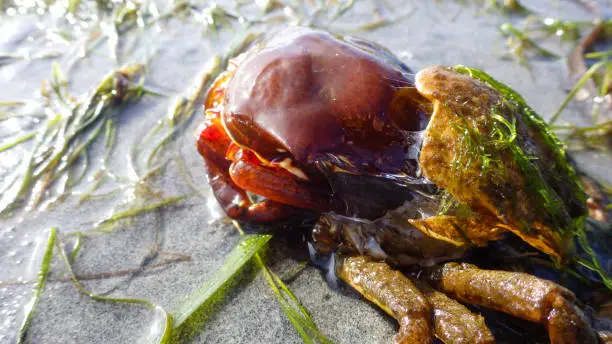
{"type": "Point", "coordinates": [493, 153]}
{"type": "Point", "coordinates": [528, 164]}
{"type": "Point", "coordinates": [513, 156]}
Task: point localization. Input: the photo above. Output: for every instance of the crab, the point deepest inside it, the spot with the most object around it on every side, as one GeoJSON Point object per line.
{"type": "Point", "coordinates": [406, 169]}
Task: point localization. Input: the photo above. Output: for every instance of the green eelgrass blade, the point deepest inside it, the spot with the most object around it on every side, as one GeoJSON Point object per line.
{"type": "Point", "coordinates": [77, 246]}
{"type": "Point", "coordinates": [12, 194]}
{"type": "Point", "coordinates": [594, 264]}
{"type": "Point", "coordinates": [598, 54]}
{"type": "Point", "coordinates": [183, 108]}
{"type": "Point", "coordinates": [297, 314]}
{"type": "Point", "coordinates": [12, 103]}
{"type": "Point", "coordinates": [137, 211]}
{"type": "Point", "coordinates": [234, 261]}
{"type": "Point", "coordinates": [40, 285]}
{"type": "Point", "coordinates": [73, 6]}
{"type": "Point", "coordinates": [589, 73]}
{"type": "Point", "coordinates": [299, 318]}
{"type": "Point", "coordinates": [166, 331]}
{"type": "Point", "coordinates": [343, 8]}
{"type": "Point", "coordinates": [509, 30]}
{"type": "Point", "coordinates": [56, 150]}
{"type": "Point", "coordinates": [17, 141]}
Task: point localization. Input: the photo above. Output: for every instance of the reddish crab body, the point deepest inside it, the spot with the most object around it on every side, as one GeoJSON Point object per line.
{"type": "Point", "coordinates": [284, 118]}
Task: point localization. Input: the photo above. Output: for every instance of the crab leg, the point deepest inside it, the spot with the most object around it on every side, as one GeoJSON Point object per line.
{"type": "Point", "coordinates": [421, 311]}
{"type": "Point", "coordinates": [283, 188]}
{"type": "Point", "coordinates": [394, 293]}
{"type": "Point", "coordinates": [519, 294]}
{"type": "Point", "coordinates": [212, 145]}
{"type": "Point", "coordinates": [453, 322]}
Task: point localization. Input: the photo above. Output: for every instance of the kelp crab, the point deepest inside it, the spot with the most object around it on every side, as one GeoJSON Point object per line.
{"type": "Point", "coordinates": [406, 170]}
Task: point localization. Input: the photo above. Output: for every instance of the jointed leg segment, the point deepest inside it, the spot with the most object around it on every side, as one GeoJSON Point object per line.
{"type": "Point", "coordinates": [212, 145]}
{"type": "Point", "coordinates": [283, 188]}
{"type": "Point", "coordinates": [423, 311]}
{"type": "Point", "coordinates": [453, 322]}
{"type": "Point", "coordinates": [395, 294]}
{"type": "Point", "coordinates": [519, 294]}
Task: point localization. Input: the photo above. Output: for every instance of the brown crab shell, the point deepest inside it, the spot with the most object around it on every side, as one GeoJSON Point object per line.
{"type": "Point", "coordinates": [314, 97]}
